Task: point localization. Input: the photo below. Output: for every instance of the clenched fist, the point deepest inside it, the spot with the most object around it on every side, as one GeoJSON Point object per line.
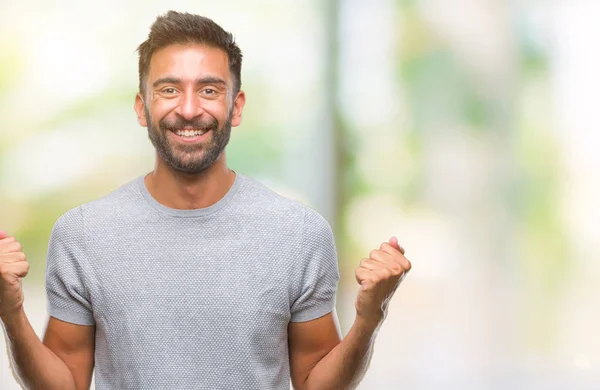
{"type": "Point", "coordinates": [13, 267]}
{"type": "Point", "coordinates": [379, 276]}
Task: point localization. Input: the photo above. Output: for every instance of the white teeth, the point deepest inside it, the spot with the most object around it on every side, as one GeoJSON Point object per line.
{"type": "Point", "coordinates": [189, 133]}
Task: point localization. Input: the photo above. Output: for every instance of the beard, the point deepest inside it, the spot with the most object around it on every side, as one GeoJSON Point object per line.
{"type": "Point", "coordinates": [189, 158]}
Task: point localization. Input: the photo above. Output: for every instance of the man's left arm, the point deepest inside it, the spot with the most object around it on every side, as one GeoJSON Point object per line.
{"type": "Point", "coordinates": [318, 358]}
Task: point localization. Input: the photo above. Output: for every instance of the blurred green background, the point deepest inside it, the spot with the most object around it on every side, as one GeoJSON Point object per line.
{"type": "Point", "coordinates": [463, 127]}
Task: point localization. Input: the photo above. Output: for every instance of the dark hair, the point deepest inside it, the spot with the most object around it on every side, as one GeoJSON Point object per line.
{"type": "Point", "coordinates": [184, 28]}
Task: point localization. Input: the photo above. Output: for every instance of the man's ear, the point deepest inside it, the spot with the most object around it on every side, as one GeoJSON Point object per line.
{"type": "Point", "coordinates": [139, 110]}
{"type": "Point", "coordinates": [238, 107]}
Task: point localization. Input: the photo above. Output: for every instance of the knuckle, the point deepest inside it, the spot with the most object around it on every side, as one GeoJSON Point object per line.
{"type": "Point", "coordinates": [363, 262]}
{"type": "Point", "coordinates": [387, 273]}
{"type": "Point", "coordinates": [408, 265]}
{"type": "Point", "coordinates": [373, 253]}
{"type": "Point", "coordinates": [18, 246]}
{"type": "Point", "coordinates": [381, 274]}
{"type": "Point", "coordinates": [21, 256]}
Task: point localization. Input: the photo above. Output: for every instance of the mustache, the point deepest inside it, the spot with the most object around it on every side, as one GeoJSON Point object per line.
{"type": "Point", "coordinates": [180, 123]}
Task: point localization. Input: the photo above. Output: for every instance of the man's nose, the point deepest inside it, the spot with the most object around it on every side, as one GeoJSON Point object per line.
{"type": "Point", "coordinates": [190, 106]}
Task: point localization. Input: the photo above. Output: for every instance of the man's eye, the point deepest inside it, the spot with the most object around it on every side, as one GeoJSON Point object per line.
{"type": "Point", "coordinates": [169, 91]}
{"type": "Point", "coordinates": [209, 91]}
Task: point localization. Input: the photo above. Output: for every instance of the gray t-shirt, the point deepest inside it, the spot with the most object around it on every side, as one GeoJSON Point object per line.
{"type": "Point", "coordinates": [191, 299]}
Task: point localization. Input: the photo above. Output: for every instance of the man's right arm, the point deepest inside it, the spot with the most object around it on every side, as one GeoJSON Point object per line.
{"type": "Point", "coordinates": [65, 359]}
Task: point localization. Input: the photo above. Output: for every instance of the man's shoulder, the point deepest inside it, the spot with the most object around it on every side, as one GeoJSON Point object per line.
{"type": "Point", "coordinates": [266, 197]}
{"type": "Point", "coordinates": [279, 203]}
{"type": "Point", "coordinates": [121, 198]}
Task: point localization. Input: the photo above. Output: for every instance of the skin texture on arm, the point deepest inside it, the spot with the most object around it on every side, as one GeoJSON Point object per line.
{"type": "Point", "coordinates": [75, 346]}
{"type": "Point", "coordinates": [316, 352]}
{"type": "Point", "coordinates": [309, 342]}
{"type": "Point", "coordinates": [64, 361]}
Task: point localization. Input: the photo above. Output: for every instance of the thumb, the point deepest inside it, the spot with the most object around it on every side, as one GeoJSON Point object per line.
{"type": "Point", "coordinates": [394, 242]}
{"type": "Point", "coordinates": [3, 234]}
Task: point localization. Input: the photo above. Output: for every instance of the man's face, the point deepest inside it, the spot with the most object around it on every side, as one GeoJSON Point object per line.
{"type": "Point", "coordinates": [188, 106]}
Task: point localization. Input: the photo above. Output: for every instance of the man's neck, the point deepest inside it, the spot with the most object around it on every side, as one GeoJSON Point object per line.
{"type": "Point", "coordinates": [182, 191]}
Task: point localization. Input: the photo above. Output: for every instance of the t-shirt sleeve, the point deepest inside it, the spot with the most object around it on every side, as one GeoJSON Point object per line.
{"type": "Point", "coordinates": [319, 274]}
{"type": "Point", "coordinates": [68, 298]}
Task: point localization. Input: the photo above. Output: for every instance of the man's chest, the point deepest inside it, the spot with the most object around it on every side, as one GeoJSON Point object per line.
{"type": "Point", "coordinates": [182, 279]}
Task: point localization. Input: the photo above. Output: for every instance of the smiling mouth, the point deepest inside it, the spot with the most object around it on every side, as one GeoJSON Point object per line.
{"type": "Point", "coordinates": [189, 133]}
{"type": "Point", "coordinates": [190, 136]}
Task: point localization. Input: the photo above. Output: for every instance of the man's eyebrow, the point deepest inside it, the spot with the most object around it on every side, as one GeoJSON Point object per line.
{"type": "Point", "coordinates": [211, 80]}
{"type": "Point", "coordinates": [203, 80]}
{"type": "Point", "coordinates": [166, 80]}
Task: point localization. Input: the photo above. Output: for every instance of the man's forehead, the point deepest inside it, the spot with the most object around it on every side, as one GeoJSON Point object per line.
{"type": "Point", "coordinates": [193, 60]}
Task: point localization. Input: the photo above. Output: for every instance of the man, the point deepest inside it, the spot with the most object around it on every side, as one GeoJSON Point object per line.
{"type": "Point", "coordinates": [193, 276]}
